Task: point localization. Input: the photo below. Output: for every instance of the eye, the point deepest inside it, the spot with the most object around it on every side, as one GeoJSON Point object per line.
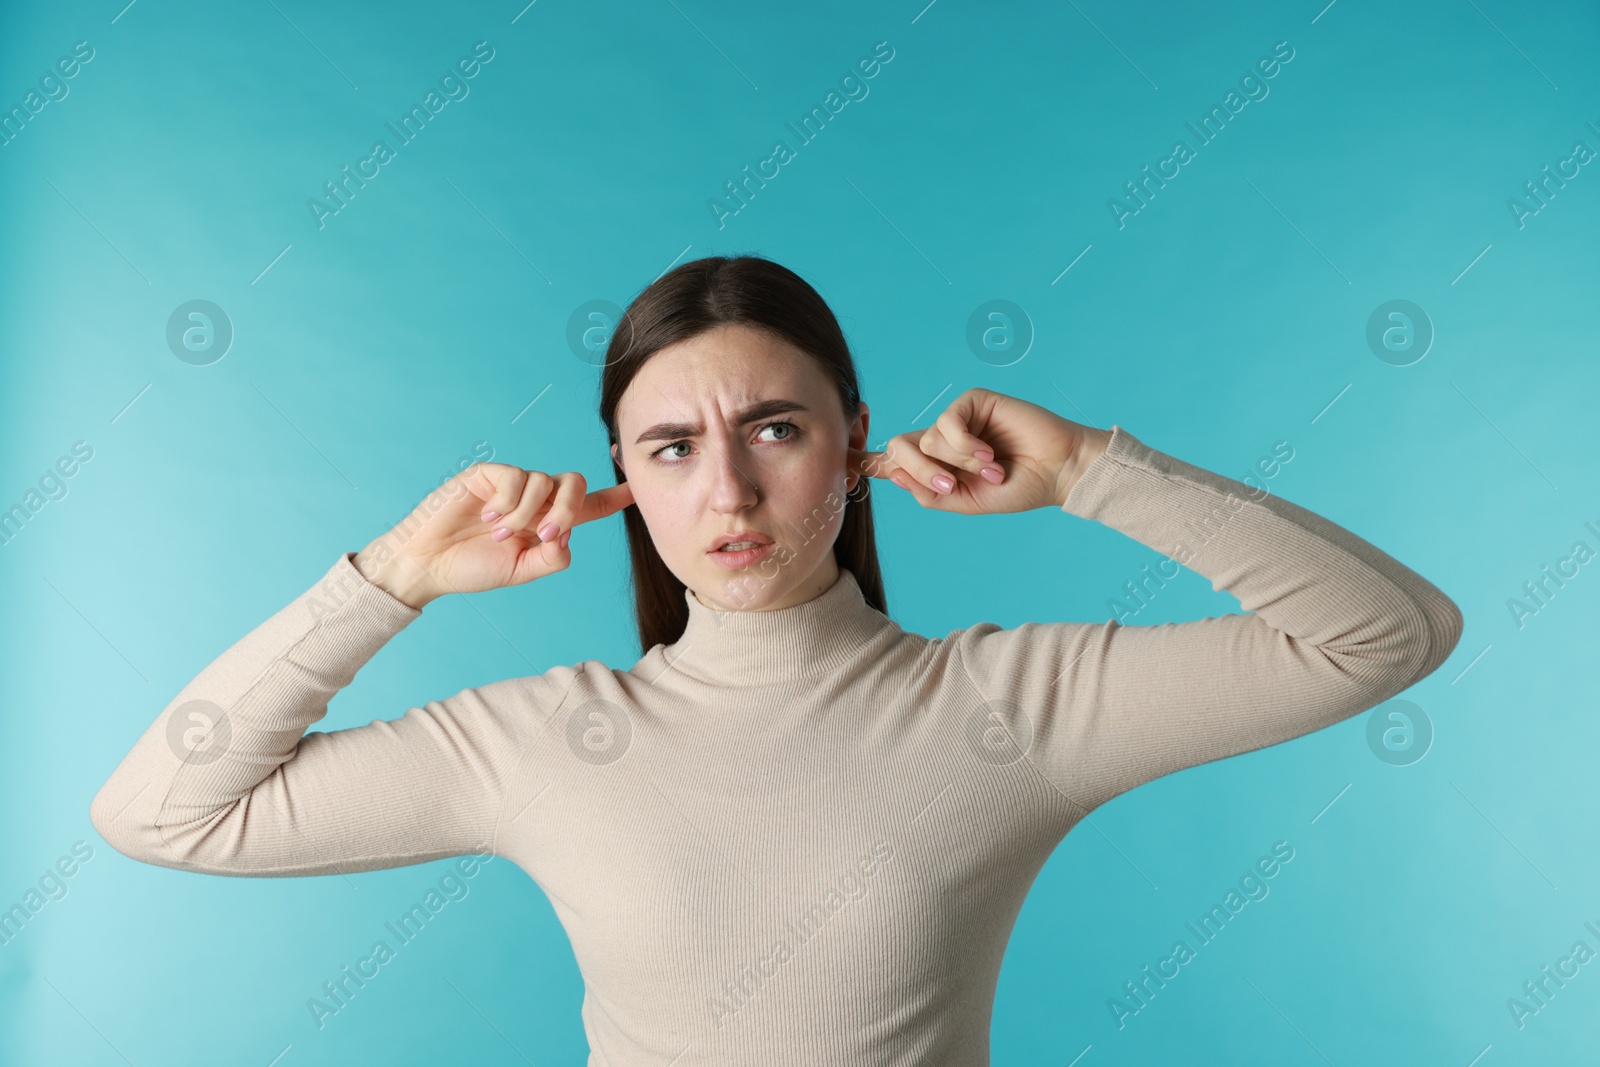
{"type": "Point", "coordinates": [792, 432]}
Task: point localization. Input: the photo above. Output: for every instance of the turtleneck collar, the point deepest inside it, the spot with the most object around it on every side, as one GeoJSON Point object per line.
{"type": "Point", "coordinates": [749, 647]}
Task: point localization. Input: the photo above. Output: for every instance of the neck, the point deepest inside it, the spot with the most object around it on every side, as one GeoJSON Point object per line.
{"type": "Point", "coordinates": [808, 639]}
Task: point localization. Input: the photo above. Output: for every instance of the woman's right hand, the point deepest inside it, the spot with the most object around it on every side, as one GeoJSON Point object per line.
{"type": "Point", "coordinates": [446, 545]}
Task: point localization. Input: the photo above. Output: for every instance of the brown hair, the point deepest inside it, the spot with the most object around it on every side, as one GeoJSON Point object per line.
{"type": "Point", "coordinates": [681, 304]}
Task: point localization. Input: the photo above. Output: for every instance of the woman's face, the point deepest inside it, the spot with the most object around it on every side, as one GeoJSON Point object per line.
{"type": "Point", "coordinates": [738, 432]}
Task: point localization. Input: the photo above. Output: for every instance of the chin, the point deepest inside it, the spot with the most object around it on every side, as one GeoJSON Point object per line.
{"type": "Point", "coordinates": [742, 590]}
{"type": "Point", "coordinates": [745, 588]}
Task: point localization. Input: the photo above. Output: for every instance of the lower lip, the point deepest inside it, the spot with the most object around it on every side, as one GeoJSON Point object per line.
{"type": "Point", "coordinates": [742, 558]}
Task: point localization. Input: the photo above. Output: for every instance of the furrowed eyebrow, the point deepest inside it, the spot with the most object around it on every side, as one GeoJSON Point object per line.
{"type": "Point", "coordinates": [672, 431]}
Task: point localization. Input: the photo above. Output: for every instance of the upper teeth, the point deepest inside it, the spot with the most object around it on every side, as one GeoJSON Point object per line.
{"type": "Point", "coordinates": [734, 546]}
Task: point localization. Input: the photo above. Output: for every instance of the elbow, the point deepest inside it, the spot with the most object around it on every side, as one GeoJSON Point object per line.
{"type": "Point", "coordinates": [106, 814]}
{"type": "Point", "coordinates": [133, 829]}
{"type": "Point", "coordinates": [1448, 622]}
{"type": "Point", "coordinates": [1435, 623]}
{"type": "Point", "coordinates": [119, 821]}
{"type": "Point", "coordinates": [1418, 635]}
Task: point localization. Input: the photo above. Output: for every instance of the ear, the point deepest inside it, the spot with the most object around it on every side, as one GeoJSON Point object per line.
{"type": "Point", "coordinates": [858, 440]}
{"type": "Point", "coordinates": [614, 457]}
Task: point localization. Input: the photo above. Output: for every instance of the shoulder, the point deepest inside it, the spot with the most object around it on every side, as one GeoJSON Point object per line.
{"type": "Point", "coordinates": [940, 655]}
{"type": "Point", "coordinates": [986, 651]}
{"type": "Point", "coordinates": [543, 694]}
{"type": "Point", "coordinates": [515, 715]}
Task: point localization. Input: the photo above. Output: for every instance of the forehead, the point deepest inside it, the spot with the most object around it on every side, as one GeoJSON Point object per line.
{"type": "Point", "coordinates": [730, 366]}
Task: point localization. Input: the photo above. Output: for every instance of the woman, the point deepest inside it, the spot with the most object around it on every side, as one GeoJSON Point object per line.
{"type": "Point", "coordinates": [791, 832]}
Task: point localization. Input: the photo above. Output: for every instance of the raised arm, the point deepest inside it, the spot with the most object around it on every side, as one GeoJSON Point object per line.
{"type": "Point", "coordinates": [223, 782]}
{"type": "Point", "coordinates": [1338, 627]}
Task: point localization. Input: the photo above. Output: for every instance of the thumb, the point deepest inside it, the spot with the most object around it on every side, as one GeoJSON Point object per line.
{"type": "Point", "coordinates": [543, 559]}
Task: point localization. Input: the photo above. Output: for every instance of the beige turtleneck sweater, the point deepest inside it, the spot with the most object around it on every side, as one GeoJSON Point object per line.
{"type": "Point", "coordinates": [797, 836]}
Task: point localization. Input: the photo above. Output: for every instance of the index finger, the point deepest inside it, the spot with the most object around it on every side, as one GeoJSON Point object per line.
{"type": "Point", "coordinates": [871, 464]}
{"type": "Point", "coordinates": [603, 502]}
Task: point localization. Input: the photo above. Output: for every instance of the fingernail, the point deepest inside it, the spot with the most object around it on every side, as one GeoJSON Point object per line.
{"type": "Point", "coordinates": [943, 482]}
{"type": "Point", "coordinates": [983, 455]}
{"type": "Point", "coordinates": [548, 531]}
{"type": "Point", "coordinates": [502, 533]}
{"type": "Point", "coordinates": [565, 538]}
{"type": "Point", "coordinates": [992, 474]}
{"type": "Point", "coordinates": [490, 516]}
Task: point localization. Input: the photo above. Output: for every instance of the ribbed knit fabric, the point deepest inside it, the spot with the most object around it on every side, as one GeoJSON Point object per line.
{"type": "Point", "coordinates": [798, 836]}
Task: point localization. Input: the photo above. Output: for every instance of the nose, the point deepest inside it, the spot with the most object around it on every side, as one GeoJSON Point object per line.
{"type": "Point", "coordinates": [733, 488]}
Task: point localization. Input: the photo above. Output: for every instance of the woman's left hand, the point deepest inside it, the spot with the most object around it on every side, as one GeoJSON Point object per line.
{"type": "Point", "coordinates": [1034, 457]}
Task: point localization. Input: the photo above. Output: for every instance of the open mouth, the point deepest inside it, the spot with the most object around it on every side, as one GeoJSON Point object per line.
{"type": "Point", "coordinates": [739, 541]}
{"type": "Point", "coordinates": [742, 553]}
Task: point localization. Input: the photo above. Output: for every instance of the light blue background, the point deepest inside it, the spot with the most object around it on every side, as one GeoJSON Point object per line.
{"type": "Point", "coordinates": [1228, 315]}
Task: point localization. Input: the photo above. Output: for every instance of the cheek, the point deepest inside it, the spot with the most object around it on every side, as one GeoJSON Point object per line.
{"type": "Point", "coordinates": [813, 497]}
{"type": "Point", "coordinates": [818, 483]}
{"type": "Point", "coordinates": [822, 474]}
{"type": "Point", "coordinates": [666, 509]}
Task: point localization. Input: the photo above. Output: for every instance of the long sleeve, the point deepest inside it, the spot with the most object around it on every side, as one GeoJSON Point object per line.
{"type": "Point", "coordinates": [223, 782]}
{"type": "Point", "coordinates": [1337, 628]}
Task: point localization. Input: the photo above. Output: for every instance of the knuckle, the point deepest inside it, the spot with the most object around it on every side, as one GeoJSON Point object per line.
{"type": "Point", "coordinates": [954, 426]}
{"type": "Point", "coordinates": [522, 495]}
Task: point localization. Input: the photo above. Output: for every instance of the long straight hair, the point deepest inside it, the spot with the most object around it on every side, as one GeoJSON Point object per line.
{"type": "Point", "coordinates": [683, 303]}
